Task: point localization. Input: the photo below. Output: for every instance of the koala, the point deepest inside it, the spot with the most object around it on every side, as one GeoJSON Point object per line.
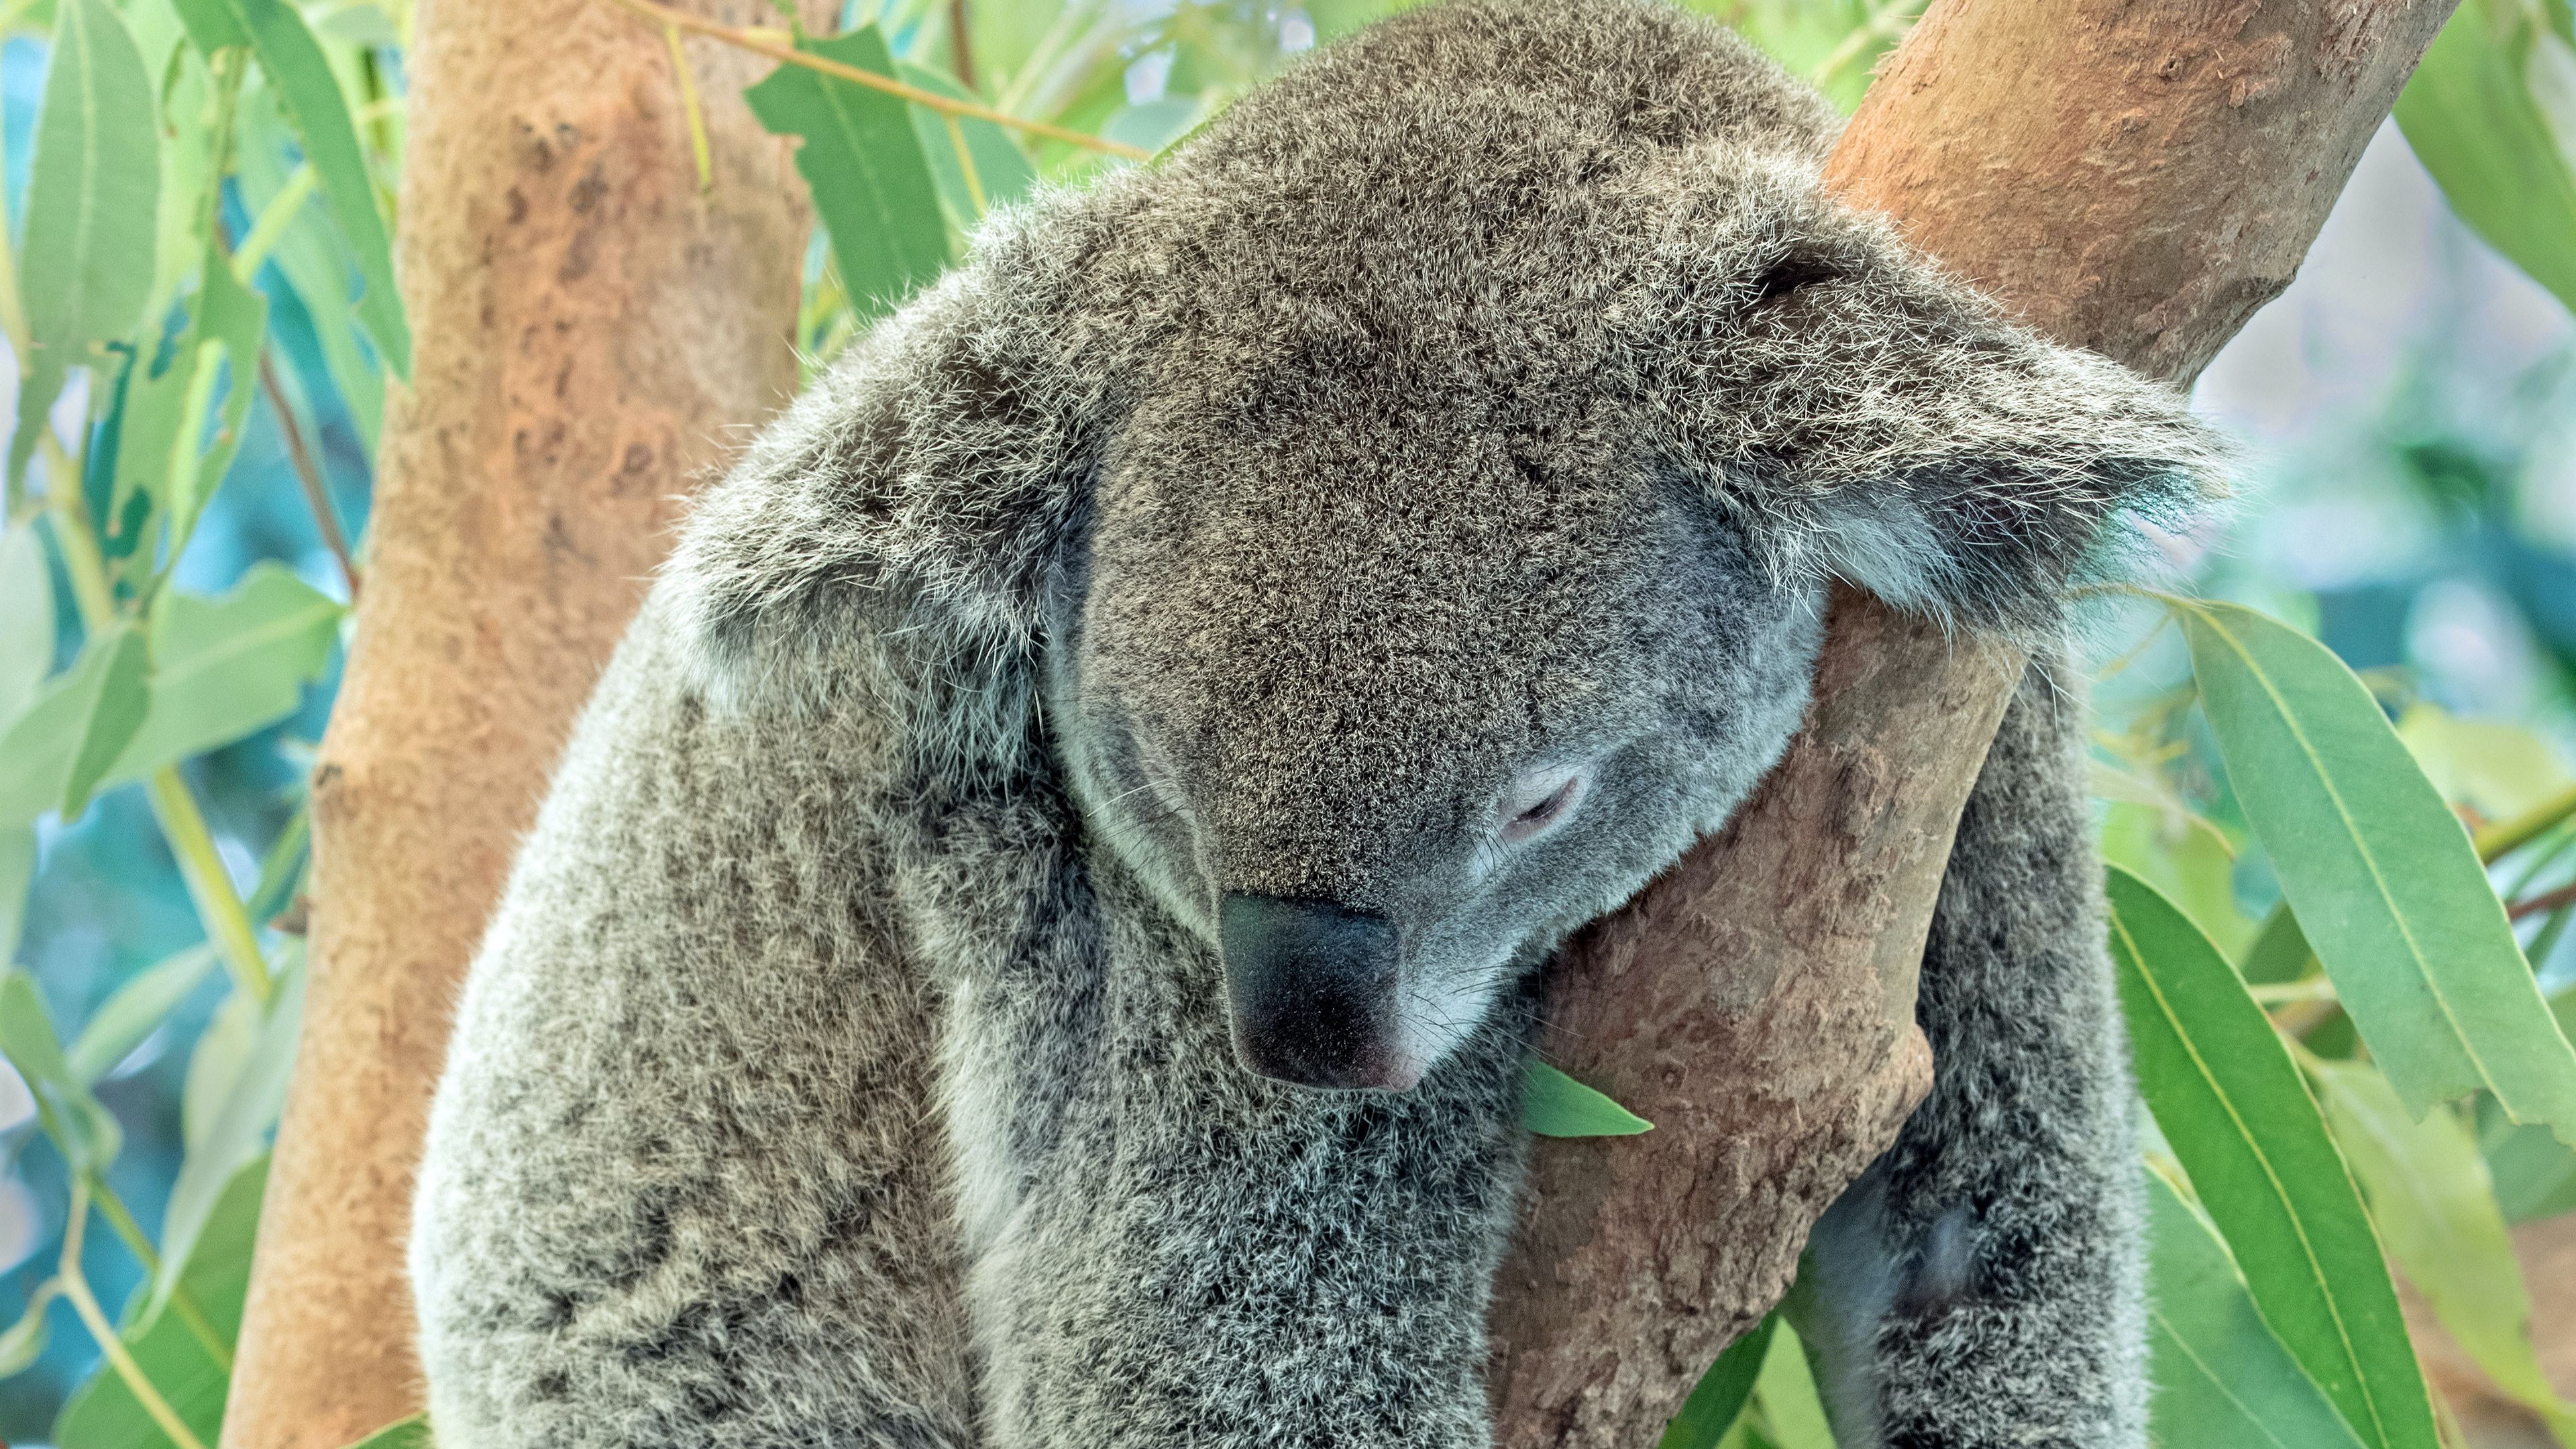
{"type": "Point", "coordinates": [1035, 940]}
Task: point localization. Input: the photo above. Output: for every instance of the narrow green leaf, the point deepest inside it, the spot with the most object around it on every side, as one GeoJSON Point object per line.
{"type": "Point", "coordinates": [2279, 951]}
{"type": "Point", "coordinates": [2379, 871]}
{"type": "Point", "coordinates": [24, 1341]}
{"type": "Point", "coordinates": [26, 619]}
{"type": "Point", "coordinates": [1718, 1400]}
{"type": "Point", "coordinates": [1001, 172]}
{"type": "Point", "coordinates": [235, 1136]}
{"type": "Point", "coordinates": [316, 266]}
{"type": "Point", "coordinates": [103, 1413]}
{"type": "Point", "coordinates": [872, 185]}
{"type": "Point", "coordinates": [231, 324]}
{"type": "Point", "coordinates": [85, 260]}
{"type": "Point", "coordinates": [136, 1008]}
{"type": "Point", "coordinates": [2534, 1173]}
{"type": "Point", "coordinates": [2470, 116]}
{"type": "Point", "coordinates": [17, 873]}
{"type": "Point", "coordinates": [1786, 1390]}
{"type": "Point", "coordinates": [78, 1125]}
{"type": "Point", "coordinates": [1556, 1105]}
{"type": "Point", "coordinates": [118, 689]}
{"type": "Point", "coordinates": [2184, 857]}
{"type": "Point", "coordinates": [2437, 1214]}
{"type": "Point", "coordinates": [216, 1063]}
{"type": "Point", "coordinates": [301, 76]}
{"type": "Point", "coordinates": [2236, 1112]}
{"type": "Point", "coordinates": [411, 1433]}
{"type": "Point", "coordinates": [227, 666]}
{"type": "Point", "coordinates": [2220, 1376]}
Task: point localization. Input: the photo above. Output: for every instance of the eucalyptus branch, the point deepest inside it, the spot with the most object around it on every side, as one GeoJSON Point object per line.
{"type": "Point", "coordinates": [2507, 836]}
{"type": "Point", "coordinates": [182, 1302]}
{"type": "Point", "coordinates": [76, 1289]}
{"type": "Point", "coordinates": [689, 108]}
{"type": "Point", "coordinates": [760, 44]}
{"type": "Point", "coordinates": [209, 885]}
{"type": "Point", "coordinates": [308, 475]}
{"type": "Point", "coordinates": [2545, 902]}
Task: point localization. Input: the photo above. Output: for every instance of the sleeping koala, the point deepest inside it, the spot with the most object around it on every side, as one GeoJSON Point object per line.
{"type": "Point", "coordinates": [1032, 943]}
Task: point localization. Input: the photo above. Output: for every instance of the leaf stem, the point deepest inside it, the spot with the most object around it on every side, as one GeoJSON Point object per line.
{"type": "Point", "coordinates": [2546, 901]}
{"type": "Point", "coordinates": [698, 150]}
{"type": "Point", "coordinates": [273, 221]}
{"type": "Point", "coordinates": [76, 1289]}
{"type": "Point", "coordinates": [227, 920]}
{"type": "Point", "coordinates": [112, 1208]}
{"type": "Point", "coordinates": [2507, 836]}
{"type": "Point", "coordinates": [788, 54]}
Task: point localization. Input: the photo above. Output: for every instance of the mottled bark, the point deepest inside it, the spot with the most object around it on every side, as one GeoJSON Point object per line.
{"type": "Point", "coordinates": [593, 335]}
{"type": "Point", "coordinates": [2137, 179]}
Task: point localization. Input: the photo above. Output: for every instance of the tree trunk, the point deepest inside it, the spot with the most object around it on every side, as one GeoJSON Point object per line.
{"type": "Point", "coordinates": [593, 333]}
{"type": "Point", "coordinates": [2136, 179]}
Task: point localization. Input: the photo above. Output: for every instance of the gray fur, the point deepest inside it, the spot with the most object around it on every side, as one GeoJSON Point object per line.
{"type": "Point", "coordinates": [1488, 400]}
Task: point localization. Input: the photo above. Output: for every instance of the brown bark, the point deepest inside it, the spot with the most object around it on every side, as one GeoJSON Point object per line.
{"type": "Point", "coordinates": [592, 332]}
{"type": "Point", "coordinates": [2137, 179]}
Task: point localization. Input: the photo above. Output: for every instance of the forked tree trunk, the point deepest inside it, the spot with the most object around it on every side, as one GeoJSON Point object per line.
{"type": "Point", "coordinates": [593, 334]}
{"type": "Point", "coordinates": [2133, 178]}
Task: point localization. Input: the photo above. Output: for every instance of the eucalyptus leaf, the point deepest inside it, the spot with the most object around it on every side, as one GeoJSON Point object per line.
{"type": "Point", "coordinates": [136, 1009]}
{"type": "Point", "coordinates": [23, 1342]}
{"type": "Point", "coordinates": [314, 261]}
{"type": "Point", "coordinates": [2381, 874]}
{"type": "Point", "coordinates": [1718, 1400]}
{"type": "Point", "coordinates": [2437, 1214]}
{"type": "Point", "coordinates": [2221, 1377]}
{"type": "Point", "coordinates": [26, 619]}
{"type": "Point", "coordinates": [2470, 115]}
{"type": "Point", "coordinates": [227, 666]}
{"type": "Point", "coordinates": [85, 259]}
{"type": "Point", "coordinates": [2237, 1114]}
{"type": "Point", "coordinates": [82, 1129]}
{"type": "Point", "coordinates": [300, 74]}
{"type": "Point", "coordinates": [860, 157]}
{"type": "Point", "coordinates": [17, 873]}
{"type": "Point", "coordinates": [103, 1413]}
{"type": "Point", "coordinates": [237, 1134]}
{"type": "Point", "coordinates": [216, 1063]}
{"type": "Point", "coordinates": [1001, 172]}
{"type": "Point", "coordinates": [411, 1433]}
{"type": "Point", "coordinates": [54, 754]}
{"type": "Point", "coordinates": [1556, 1105]}
{"type": "Point", "coordinates": [1792, 1410]}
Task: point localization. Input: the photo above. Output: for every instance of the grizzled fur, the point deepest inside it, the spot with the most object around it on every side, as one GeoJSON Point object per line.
{"type": "Point", "coordinates": [1485, 405]}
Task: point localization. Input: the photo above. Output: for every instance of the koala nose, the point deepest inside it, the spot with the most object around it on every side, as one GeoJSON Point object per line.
{"type": "Point", "coordinates": [1310, 986]}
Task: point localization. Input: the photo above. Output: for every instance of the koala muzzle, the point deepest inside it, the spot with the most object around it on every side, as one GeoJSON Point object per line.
{"type": "Point", "coordinates": [1311, 987]}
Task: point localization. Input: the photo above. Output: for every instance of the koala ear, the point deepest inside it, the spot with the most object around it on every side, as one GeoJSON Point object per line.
{"type": "Point", "coordinates": [894, 532]}
{"type": "Point", "coordinates": [1870, 419]}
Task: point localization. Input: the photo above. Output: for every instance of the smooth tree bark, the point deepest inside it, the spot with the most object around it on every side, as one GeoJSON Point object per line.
{"type": "Point", "coordinates": [593, 334]}
{"type": "Point", "coordinates": [2137, 179]}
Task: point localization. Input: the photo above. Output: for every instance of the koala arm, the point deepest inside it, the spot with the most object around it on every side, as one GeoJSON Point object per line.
{"type": "Point", "coordinates": [1981, 1284]}
{"type": "Point", "coordinates": [678, 1189]}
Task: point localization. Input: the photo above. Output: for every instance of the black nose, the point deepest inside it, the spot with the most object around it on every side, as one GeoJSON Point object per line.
{"type": "Point", "coordinates": [1311, 986]}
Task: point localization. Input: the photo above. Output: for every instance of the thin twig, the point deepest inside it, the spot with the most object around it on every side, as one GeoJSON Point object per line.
{"type": "Point", "coordinates": [2507, 836]}
{"type": "Point", "coordinates": [698, 149]}
{"type": "Point", "coordinates": [747, 40]}
{"type": "Point", "coordinates": [961, 51]}
{"type": "Point", "coordinates": [182, 1303]}
{"type": "Point", "coordinates": [76, 1289]}
{"type": "Point", "coordinates": [316, 497]}
{"type": "Point", "coordinates": [2546, 901]}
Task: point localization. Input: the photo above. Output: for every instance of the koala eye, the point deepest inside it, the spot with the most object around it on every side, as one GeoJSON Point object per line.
{"type": "Point", "coordinates": [1539, 806]}
{"type": "Point", "coordinates": [1788, 275]}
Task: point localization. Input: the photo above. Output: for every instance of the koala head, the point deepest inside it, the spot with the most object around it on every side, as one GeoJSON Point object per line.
{"type": "Point", "coordinates": [1400, 519]}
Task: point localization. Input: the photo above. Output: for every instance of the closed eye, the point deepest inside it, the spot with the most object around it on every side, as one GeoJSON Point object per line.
{"type": "Point", "coordinates": [1539, 816]}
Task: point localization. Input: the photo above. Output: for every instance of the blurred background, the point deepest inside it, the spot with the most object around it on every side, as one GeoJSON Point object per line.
{"type": "Point", "coordinates": [2409, 411]}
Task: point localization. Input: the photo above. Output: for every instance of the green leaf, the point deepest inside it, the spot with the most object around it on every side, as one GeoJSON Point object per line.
{"type": "Point", "coordinates": [103, 1413]}
{"type": "Point", "coordinates": [872, 185]}
{"type": "Point", "coordinates": [216, 1063]}
{"type": "Point", "coordinates": [2236, 1112]}
{"type": "Point", "coordinates": [85, 260]}
{"type": "Point", "coordinates": [24, 1341]}
{"type": "Point", "coordinates": [1786, 1390]}
{"type": "Point", "coordinates": [2470, 115]}
{"type": "Point", "coordinates": [2498, 770]}
{"type": "Point", "coordinates": [136, 1008]}
{"type": "Point", "coordinates": [17, 873]}
{"type": "Point", "coordinates": [27, 604]}
{"type": "Point", "coordinates": [2534, 1173]}
{"type": "Point", "coordinates": [411, 1433]}
{"type": "Point", "coordinates": [78, 1125]}
{"type": "Point", "coordinates": [315, 264]}
{"type": "Point", "coordinates": [226, 666]}
{"type": "Point", "coordinates": [1718, 1400]}
{"type": "Point", "coordinates": [2382, 876]}
{"type": "Point", "coordinates": [2279, 952]}
{"type": "Point", "coordinates": [1556, 1105]}
{"type": "Point", "coordinates": [2437, 1214]}
{"type": "Point", "coordinates": [1002, 171]}
{"type": "Point", "coordinates": [63, 742]}
{"type": "Point", "coordinates": [301, 76]}
{"type": "Point", "coordinates": [2220, 1376]}
{"type": "Point", "coordinates": [235, 1136]}
{"type": "Point", "coordinates": [2185, 857]}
